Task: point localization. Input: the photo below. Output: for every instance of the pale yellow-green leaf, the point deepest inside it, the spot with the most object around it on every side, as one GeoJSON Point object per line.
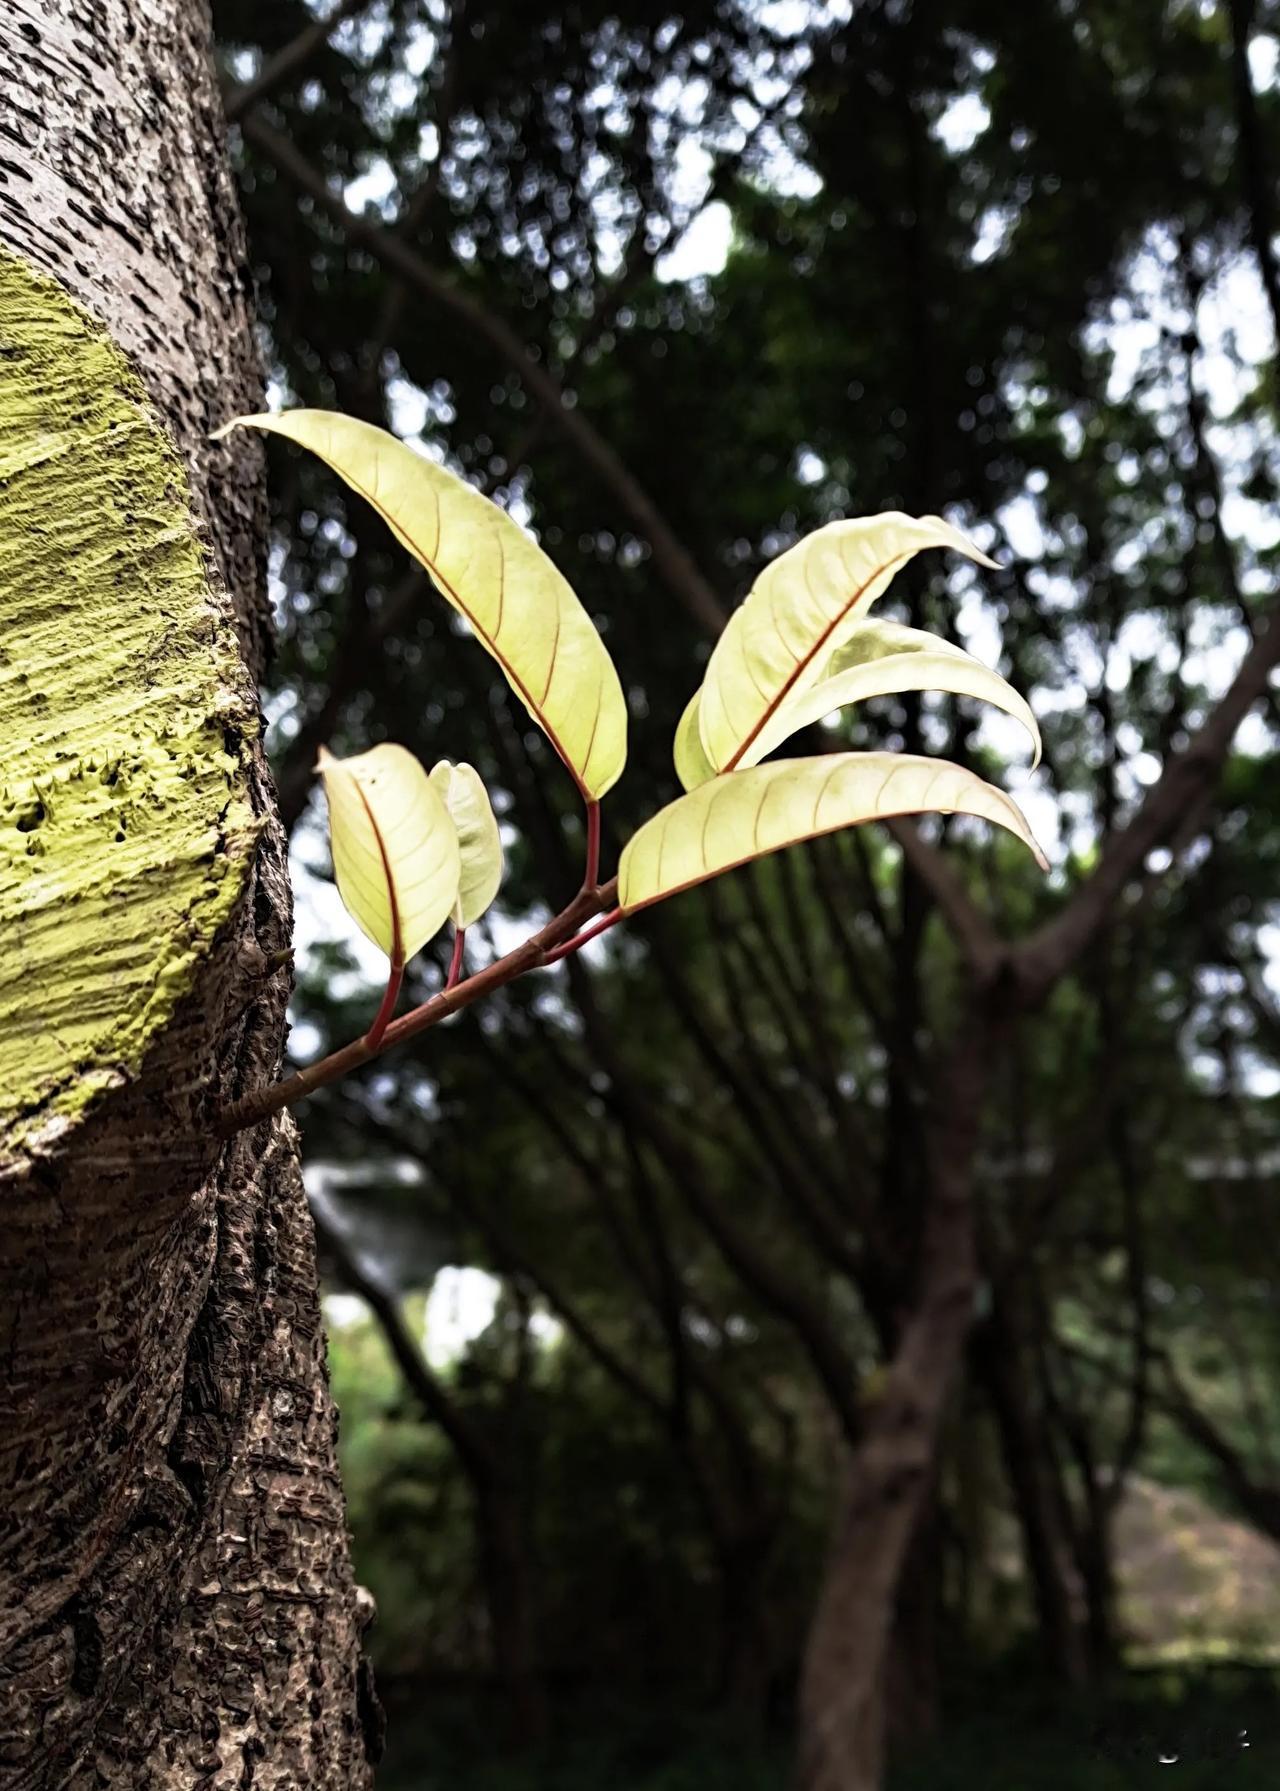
{"type": "Point", "coordinates": [879, 659]}
{"type": "Point", "coordinates": [800, 610]}
{"type": "Point", "coordinates": [461, 789]}
{"type": "Point", "coordinates": [395, 849]}
{"type": "Point", "coordinates": [520, 606]}
{"type": "Point", "coordinates": [693, 767]}
{"type": "Point", "coordinates": [742, 815]}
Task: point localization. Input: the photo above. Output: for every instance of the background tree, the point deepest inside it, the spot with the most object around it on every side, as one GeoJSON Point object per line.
{"type": "Point", "coordinates": [1010, 262]}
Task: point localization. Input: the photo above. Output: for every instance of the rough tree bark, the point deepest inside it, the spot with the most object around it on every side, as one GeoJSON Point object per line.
{"type": "Point", "coordinates": [176, 1600]}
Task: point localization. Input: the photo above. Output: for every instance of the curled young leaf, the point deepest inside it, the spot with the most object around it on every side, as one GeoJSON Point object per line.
{"type": "Point", "coordinates": [461, 789]}
{"type": "Point", "coordinates": [743, 815]}
{"type": "Point", "coordinates": [804, 606]}
{"type": "Point", "coordinates": [395, 849]}
{"type": "Point", "coordinates": [880, 659]}
{"type": "Point", "coordinates": [693, 767]}
{"type": "Point", "coordinates": [518, 603]}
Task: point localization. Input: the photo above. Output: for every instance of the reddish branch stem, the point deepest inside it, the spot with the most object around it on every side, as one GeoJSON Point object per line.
{"type": "Point", "coordinates": [533, 954]}
{"type": "Point", "coordinates": [592, 874]}
{"type": "Point", "coordinates": [455, 962]}
{"type": "Point", "coordinates": [576, 944]}
{"type": "Point", "coordinates": [395, 976]}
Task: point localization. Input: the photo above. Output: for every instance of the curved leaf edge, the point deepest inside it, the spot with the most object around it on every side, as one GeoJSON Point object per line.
{"type": "Point", "coordinates": [1016, 823]}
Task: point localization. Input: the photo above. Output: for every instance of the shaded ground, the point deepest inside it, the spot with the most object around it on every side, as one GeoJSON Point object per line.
{"type": "Point", "coordinates": [1194, 1584]}
{"type": "Point", "coordinates": [1200, 1599]}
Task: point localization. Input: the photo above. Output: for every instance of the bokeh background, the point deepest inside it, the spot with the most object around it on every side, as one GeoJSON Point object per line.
{"type": "Point", "coordinates": [616, 1263]}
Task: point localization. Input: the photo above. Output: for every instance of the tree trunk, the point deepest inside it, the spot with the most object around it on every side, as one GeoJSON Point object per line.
{"type": "Point", "coordinates": [746, 1661]}
{"type": "Point", "coordinates": [176, 1600]}
{"type": "Point", "coordinates": [844, 1679]}
{"type": "Point", "coordinates": [911, 1673]}
{"type": "Point", "coordinates": [1096, 1561]}
{"type": "Point", "coordinates": [1024, 1448]}
{"type": "Point", "coordinates": [509, 1595]}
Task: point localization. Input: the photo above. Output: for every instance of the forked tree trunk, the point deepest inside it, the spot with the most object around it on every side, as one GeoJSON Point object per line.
{"type": "Point", "coordinates": [176, 1600]}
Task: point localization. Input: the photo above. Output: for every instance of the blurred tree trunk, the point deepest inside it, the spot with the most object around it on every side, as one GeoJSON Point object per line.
{"type": "Point", "coordinates": [176, 1600]}
{"type": "Point", "coordinates": [498, 1499]}
{"type": "Point", "coordinates": [911, 1685]}
{"type": "Point", "coordinates": [509, 1590]}
{"type": "Point", "coordinates": [1028, 1462]}
{"type": "Point", "coordinates": [1096, 1556]}
{"type": "Point", "coordinates": [845, 1676]}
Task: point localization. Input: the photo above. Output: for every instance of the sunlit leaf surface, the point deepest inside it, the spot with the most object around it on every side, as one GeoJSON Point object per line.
{"type": "Point", "coordinates": [879, 659]}
{"type": "Point", "coordinates": [461, 789]}
{"type": "Point", "coordinates": [395, 849]}
{"type": "Point", "coordinates": [801, 609]}
{"type": "Point", "coordinates": [520, 606]}
{"type": "Point", "coordinates": [746, 814]}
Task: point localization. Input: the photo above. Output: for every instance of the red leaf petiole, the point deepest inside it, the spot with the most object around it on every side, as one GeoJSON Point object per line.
{"type": "Point", "coordinates": [455, 962]}
{"type": "Point", "coordinates": [395, 976]}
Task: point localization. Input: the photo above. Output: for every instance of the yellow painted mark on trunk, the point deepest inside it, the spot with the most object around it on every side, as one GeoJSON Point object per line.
{"type": "Point", "coordinates": [124, 820]}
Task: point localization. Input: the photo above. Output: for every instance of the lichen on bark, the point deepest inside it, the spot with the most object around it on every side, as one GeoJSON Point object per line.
{"type": "Point", "coordinates": [126, 827]}
{"type": "Point", "coordinates": [176, 1598]}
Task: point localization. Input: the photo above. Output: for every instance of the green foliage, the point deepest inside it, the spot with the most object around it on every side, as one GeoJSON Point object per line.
{"type": "Point", "coordinates": [996, 265]}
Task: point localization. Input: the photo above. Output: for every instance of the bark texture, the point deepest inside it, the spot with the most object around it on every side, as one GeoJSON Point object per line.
{"type": "Point", "coordinates": [176, 1601]}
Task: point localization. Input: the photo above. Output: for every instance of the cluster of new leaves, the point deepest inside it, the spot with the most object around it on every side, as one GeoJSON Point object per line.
{"type": "Point", "coordinates": [411, 850]}
{"type": "Point", "coordinates": [797, 649]}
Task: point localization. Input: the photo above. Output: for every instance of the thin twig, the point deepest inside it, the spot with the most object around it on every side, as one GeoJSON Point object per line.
{"type": "Point", "coordinates": [532, 954]}
{"type": "Point", "coordinates": [287, 62]}
{"type": "Point", "coordinates": [672, 559]}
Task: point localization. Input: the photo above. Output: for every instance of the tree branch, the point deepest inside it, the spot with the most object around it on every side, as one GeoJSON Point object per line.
{"type": "Point", "coordinates": [976, 939]}
{"type": "Point", "coordinates": [287, 62]}
{"type": "Point", "coordinates": [532, 954]}
{"type": "Point", "coordinates": [1180, 793]}
{"type": "Point", "coordinates": [670, 556]}
{"type": "Point", "coordinates": [1256, 185]}
{"type": "Point", "coordinates": [422, 1383]}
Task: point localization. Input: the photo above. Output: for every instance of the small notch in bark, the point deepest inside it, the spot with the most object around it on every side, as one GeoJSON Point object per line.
{"type": "Point", "coordinates": [251, 1752]}
{"type": "Point", "coordinates": [86, 1669]}
{"type": "Point", "coordinates": [373, 1719]}
{"type": "Point", "coordinates": [909, 1417]}
{"type": "Point", "coordinates": [900, 1483]}
{"type": "Point", "coordinates": [190, 1476]}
